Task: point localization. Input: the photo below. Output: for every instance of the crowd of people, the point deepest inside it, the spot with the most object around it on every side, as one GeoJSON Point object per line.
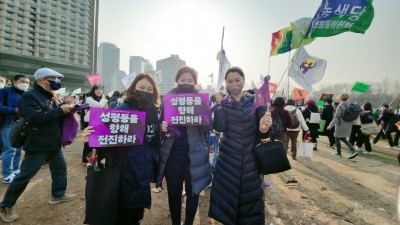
{"type": "Point", "coordinates": [179, 154]}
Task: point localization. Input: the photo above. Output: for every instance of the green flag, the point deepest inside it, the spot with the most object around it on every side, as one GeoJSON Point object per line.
{"type": "Point", "coordinates": [339, 16]}
{"type": "Point", "coordinates": [360, 87]}
{"type": "Point", "coordinates": [321, 103]}
{"type": "Point", "coordinates": [299, 28]}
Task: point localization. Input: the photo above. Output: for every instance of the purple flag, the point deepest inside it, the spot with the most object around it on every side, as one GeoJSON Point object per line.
{"type": "Point", "coordinates": [116, 127]}
{"type": "Point", "coordinates": [261, 97]}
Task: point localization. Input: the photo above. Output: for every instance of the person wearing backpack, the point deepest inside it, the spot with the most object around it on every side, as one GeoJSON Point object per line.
{"type": "Point", "coordinates": [309, 112]}
{"type": "Point", "coordinates": [113, 102]}
{"type": "Point", "coordinates": [293, 131]}
{"type": "Point", "coordinates": [342, 127]}
{"type": "Point", "coordinates": [284, 115]}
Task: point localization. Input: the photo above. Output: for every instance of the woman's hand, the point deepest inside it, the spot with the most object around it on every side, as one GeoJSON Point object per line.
{"type": "Point", "coordinates": [218, 96]}
{"type": "Point", "coordinates": [265, 122]}
{"type": "Point", "coordinates": [329, 128]}
{"type": "Point", "coordinates": [164, 126]}
{"type": "Point", "coordinates": [86, 132]}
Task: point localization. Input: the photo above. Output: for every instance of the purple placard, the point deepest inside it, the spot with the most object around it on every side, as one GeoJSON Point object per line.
{"type": "Point", "coordinates": [189, 109]}
{"type": "Point", "coordinates": [116, 127]}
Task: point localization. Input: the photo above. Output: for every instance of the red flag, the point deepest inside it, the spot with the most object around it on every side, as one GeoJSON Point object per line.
{"type": "Point", "coordinates": [261, 97]}
{"type": "Point", "coordinates": [300, 93]}
{"type": "Point", "coordinates": [94, 79]}
{"type": "Point", "coordinates": [272, 87]}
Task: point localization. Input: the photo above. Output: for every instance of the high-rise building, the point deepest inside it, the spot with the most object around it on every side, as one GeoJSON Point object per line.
{"type": "Point", "coordinates": [116, 83]}
{"type": "Point", "coordinates": [169, 67]}
{"type": "Point", "coordinates": [139, 64]}
{"type": "Point", "coordinates": [107, 63]}
{"type": "Point", "coordinates": [48, 33]}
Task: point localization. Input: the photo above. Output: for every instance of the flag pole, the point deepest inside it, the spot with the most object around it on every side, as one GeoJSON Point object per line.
{"type": "Point", "coordinates": [222, 41]}
{"type": "Point", "coordinates": [304, 36]}
{"type": "Point", "coordinates": [288, 77]}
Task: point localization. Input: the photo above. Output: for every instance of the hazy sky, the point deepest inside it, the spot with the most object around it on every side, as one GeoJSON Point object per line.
{"type": "Point", "coordinates": [192, 29]}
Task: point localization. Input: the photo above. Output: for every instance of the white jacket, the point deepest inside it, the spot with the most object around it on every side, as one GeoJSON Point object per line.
{"type": "Point", "coordinates": [94, 104]}
{"type": "Point", "coordinates": [300, 117]}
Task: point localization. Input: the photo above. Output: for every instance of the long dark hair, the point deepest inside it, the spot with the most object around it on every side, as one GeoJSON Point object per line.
{"type": "Point", "coordinates": [133, 99]}
{"type": "Point", "coordinates": [92, 94]}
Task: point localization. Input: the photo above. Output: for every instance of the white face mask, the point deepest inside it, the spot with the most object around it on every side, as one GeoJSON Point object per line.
{"type": "Point", "coordinates": [22, 86]}
{"type": "Point", "coordinates": [2, 85]}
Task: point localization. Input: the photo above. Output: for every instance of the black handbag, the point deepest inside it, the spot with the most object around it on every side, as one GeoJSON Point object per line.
{"type": "Point", "coordinates": [271, 155]}
{"type": "Point", "coordinates": [18, 133]}
{"type": "Point", "coordinates": [102, 193]}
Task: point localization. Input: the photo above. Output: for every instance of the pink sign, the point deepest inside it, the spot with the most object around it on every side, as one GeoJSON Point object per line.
{"type": "Point", "coordinates": [94, 79]}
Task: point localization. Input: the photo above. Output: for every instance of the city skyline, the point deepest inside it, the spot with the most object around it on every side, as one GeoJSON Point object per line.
{"type": "Point", "coordinates": [193, 30]}
{"type": "Point", "coordinates": [47, 33]}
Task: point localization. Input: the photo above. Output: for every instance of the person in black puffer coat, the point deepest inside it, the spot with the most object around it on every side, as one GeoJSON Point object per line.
{"type": "Point", "coordinates": [237, 195]}
{"type": "Point", "coordinates": [137, 164]}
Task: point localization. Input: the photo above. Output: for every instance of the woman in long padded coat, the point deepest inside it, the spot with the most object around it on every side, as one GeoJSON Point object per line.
{"type": "Point", "coordinates": [237, 195]}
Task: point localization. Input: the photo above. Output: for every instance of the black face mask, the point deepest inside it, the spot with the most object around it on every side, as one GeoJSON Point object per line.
{"type": "Point", "coordinates": [185, 88]}
{"type": "Point", "coordinates": [145, 97]}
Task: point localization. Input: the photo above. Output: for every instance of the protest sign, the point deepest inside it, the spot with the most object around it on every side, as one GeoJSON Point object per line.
{"type": "Point", "coordinates": [116, 127]}
{"type": "Point", "coordinates": [326, 95]}
{"type": "Point", "coordinates": [189, 109]}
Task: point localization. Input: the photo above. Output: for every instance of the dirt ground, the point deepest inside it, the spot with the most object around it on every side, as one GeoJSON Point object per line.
{"type": "Point", "coordinates": [330, 191]}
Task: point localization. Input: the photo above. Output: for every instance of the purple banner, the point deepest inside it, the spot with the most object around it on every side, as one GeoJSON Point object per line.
{"type": "Point", "coordinates": [116, 127]}
{"type": "Point", "coordinates": [189, 109]}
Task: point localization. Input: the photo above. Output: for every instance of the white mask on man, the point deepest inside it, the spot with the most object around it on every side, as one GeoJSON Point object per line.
{"type": "Point", "coordinates": [22, 86]}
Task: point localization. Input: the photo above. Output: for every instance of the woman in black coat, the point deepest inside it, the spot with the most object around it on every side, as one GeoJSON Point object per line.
{"type": "Point", "coordinates": [136, 164]}
{"type": "Point", "coordinates": [313, 127]}
{"type": "Point", "coordinates": [327, 115]}
{"type": "Point", "coordinates": [237, 195]}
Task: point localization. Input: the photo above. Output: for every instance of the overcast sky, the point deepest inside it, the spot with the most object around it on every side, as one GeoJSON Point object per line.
{"type": "Point", "coordinates": [192, 29]}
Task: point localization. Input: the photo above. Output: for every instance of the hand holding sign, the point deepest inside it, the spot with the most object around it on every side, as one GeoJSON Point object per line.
{"type": "Point", "coordinates": [265, 122]}
{"type": "Point", "coordinates": [164, 126]}
{"type": "Point", "coordinates": [218, 96]}
{"type": "Point", "coordinates": [86, 132]}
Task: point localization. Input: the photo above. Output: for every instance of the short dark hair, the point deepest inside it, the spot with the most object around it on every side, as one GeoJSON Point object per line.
{"type": "Point", "coordinates": [290, 102]}
{"type": "Point", "coordinates": [367, 106]}
{"type": "Point", "coordinates": [234, 69]}
{"type": "Point", "coordinates": [336, 103]}
{"type": "Point", "coordinates": [328, 100]}
{"type": "Point", "coordinates": [116, 94]}
{"type": "Point", "coordinates": [18, 76]}
{"type": "Point", "coordinates": [279, 102]}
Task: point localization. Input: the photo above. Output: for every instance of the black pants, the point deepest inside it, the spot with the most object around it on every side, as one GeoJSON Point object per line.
{"type": "Point", "coordinates": [127, 216]}
{"type": "Point", "coordinates": [364, 139]}
{"type": "Point", "coordinates": [331, 136]}
{"type": "Point", "coordinates": [378, 136]}
{"type": "Point", "coordinates": [353, 135]}
{"type": "Point", "coordinates": [86, 151]}
{"type": "Point", "coordinates": [175, 174]}
{"type": "Point", "coordinates": [396, 139]}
